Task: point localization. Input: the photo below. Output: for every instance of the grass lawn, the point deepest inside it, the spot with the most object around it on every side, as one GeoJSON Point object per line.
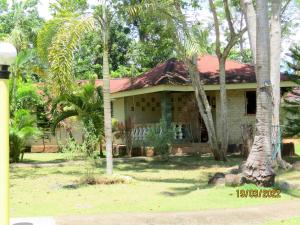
{"type": "Point", "coordinates": [177, 185]}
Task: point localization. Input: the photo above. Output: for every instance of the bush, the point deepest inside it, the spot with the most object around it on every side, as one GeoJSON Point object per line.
{"type": "Point", "coordinates": [22, 128]}
{"type": "Point", "coordinates": [160, 136]}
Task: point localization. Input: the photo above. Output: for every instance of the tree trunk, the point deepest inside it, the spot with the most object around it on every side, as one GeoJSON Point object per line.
{"type": "Point", "coordinates": [250, 17]}
{"type": "Point", "coordinates": [259, 163]}
{"type": "Point", "coordinates": [223, 109]}
{"type": "Point", "coordinates": [106, 96]}
{"type": "Point", "coordinates": [204, 107]}
{"type": "Point", "coordinates": [275, 50]}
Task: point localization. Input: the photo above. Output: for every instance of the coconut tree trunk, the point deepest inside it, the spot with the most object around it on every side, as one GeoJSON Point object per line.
{"type": "Point", "coordinates": [204, 107]}
{"type": "Point", "coordinates": [275, 50]}
{"type": "Point", "coordinates": [106, 95]}
{"type": "Point", "coordinates": [259, 163]}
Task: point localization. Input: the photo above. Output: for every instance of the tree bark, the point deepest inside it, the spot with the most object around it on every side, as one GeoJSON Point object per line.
{"type": "Point", "coordinates": [204, 107]}
{"type": "Point", "coordinates": [106, 95]}
{"type": "Point", "coordinates": [223, 108]}
{"type": "Point", "coordinates": [250, 17]}
{"type": "Point", "coordinates": [259, 163]}
{"type": "Point", "coordinates": [275, 50]}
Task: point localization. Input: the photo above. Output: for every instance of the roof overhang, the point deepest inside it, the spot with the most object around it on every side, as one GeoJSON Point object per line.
{"type": "Point", "coordinates": [188, 88]}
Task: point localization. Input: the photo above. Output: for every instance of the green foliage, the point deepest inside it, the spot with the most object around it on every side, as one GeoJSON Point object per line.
{"type": "Point", "coordinates": [155, 42]}
{"type": "Point", "coordinates": [291, 106]}
{"type": "Point", "coordinates": [27, 97]}
{"type": "Point", "coordinates": [84, 150]}
{"type": "Point", "coordinates": [46, 35]}
{"type": "Point", "coordinates": [86, 103]}
{"type": "Point", "coordinates": [65, 7]}
{"type": "Point", "coordinates": [160, 136]}
{"type": "Point", "coordinates": [89, 57]}
{"type": "Point", "coordinates": [61, 52]}
{"type": "Point", "coordinates": [20, 23]}
{"type": "Point", "coordinates": [22, 129]}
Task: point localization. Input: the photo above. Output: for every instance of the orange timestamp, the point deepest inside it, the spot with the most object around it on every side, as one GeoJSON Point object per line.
{"type": "Point", "coordinates": [254, 193]}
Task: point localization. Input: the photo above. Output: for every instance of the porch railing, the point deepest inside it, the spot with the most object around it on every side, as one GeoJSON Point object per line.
{"type": "Point", "coordinates": [140, 131]}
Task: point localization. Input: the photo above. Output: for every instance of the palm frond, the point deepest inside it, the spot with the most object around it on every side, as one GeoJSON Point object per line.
{"type": "Point", "coordinates": [62, 116]}
{"type": "Point", "coordinates": [61, 52]}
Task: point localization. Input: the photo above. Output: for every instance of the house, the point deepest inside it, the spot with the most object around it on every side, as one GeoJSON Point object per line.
{"type": "Point", "coordinates": [166, 92]}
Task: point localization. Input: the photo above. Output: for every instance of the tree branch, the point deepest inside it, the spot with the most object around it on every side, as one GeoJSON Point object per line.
{"type": "Point", "coordinates": [233, 40]}
{"type": "Point", "coordinates": [217, 28]}
{"type": "Point", "coordinates": [285, 7]}
{"type": "Point", "coordinates": [228, 17]}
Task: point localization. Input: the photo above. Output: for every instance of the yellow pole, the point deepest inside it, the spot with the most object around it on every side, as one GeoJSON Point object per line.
{"type": "Point", "coordinates": [4, 152]}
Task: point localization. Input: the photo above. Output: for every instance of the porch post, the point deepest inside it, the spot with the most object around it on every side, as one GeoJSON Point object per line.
{"type": "Point", "coordinates": [166, 107]}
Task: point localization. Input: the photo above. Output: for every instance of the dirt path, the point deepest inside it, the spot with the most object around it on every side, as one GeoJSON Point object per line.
{"type": "Point", "coordinates": [241, 216]}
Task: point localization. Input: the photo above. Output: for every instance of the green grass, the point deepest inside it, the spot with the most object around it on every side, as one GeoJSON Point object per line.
{"type": "Point", "coordinates": [177, 185]}
{"type": "Point", "coordinates": [297, 149]}
{"type": "Point", "coordinates": [290, 221]}
{"type": "Point", "coordinates": [44, 158]}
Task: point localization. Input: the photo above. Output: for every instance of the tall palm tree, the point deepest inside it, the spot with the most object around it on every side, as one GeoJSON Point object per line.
{"type": "Point", "coordinates": [259, 166]}
{"type": "Point", "coordinates": [61, 37]}
{"type": "Point", "coordinates": [105, 20]}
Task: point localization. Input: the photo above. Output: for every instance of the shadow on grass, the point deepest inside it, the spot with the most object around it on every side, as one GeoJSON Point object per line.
{"type": "Point", "coordinates": [54, 161]}
{"type": "Point", "coordinates": [176, 163]}
{"type": "Point", "coordinates": [36, 173]}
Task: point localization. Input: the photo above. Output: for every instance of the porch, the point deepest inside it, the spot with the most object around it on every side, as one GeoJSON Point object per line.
{"type": "Point", "coordinates": [178, 109]}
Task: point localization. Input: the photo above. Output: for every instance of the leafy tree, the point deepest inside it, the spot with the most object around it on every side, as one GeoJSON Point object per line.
{"type": "Point", "coordinates": [222, 54]}
{"type": "Point", "coordinates": [20, 23]}
{"type": "Point", "coordinates": [291, 106]}
{"type": "Point", "coordinates": [88, 58]}
{"type": "Point", "coordinates": [153, 43]}
{"type": "Point", "coordinates": [27, 97]}
{"type": "Point", "coordinates": [22, 128]}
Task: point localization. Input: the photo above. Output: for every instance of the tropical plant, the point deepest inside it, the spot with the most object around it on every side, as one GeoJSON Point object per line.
{"type": "Point", "coordinates": [26, 97]}
{"type": "Point", "coordinates": [86, 104]}
{"type": "Point", "coordinates": [22, 129]}
{"type": "Point", "coordinates": [160, 137]}
{"type": "Point", "coordinates": [258, 167]}
{"type": "Point", "coordinates": [57, 43]}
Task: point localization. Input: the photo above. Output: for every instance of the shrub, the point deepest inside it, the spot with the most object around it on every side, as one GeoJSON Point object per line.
{"type": "Point", "coordinates": [160, 136]}
{"type": "Point", "coordinates": [22, 128]}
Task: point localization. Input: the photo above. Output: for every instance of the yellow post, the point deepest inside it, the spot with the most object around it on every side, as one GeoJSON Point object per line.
{"type": "Point", "coordinates": [4, 152]}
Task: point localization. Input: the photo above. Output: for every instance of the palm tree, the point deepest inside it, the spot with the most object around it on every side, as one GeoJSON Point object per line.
{"type": "Point", "coordinates": [86, 104]}
{"type": "Point", "coordinates": [22, 128]}
{"type": "Point", "coordinates": [61, 37]}
{"type": "Point", "coordinates": [104, 21]}
{"type": "Point", "coordinates": [259, 166]}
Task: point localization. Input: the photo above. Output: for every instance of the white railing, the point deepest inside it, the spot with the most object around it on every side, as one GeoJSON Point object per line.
{"type": "Point", "coordinates": [140, 131]}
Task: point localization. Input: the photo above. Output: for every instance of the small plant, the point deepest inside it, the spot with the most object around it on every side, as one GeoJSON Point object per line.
{"type": "Point", "coordinates": [160, 136]}
{"type": "Point", "coordinates": [71, 149]}
{"type": "Point", "coordinates": [22, 128]}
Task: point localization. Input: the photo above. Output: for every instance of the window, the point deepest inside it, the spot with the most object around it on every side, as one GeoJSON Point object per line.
{"type": "Point", "coordinates": [251, 102]}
